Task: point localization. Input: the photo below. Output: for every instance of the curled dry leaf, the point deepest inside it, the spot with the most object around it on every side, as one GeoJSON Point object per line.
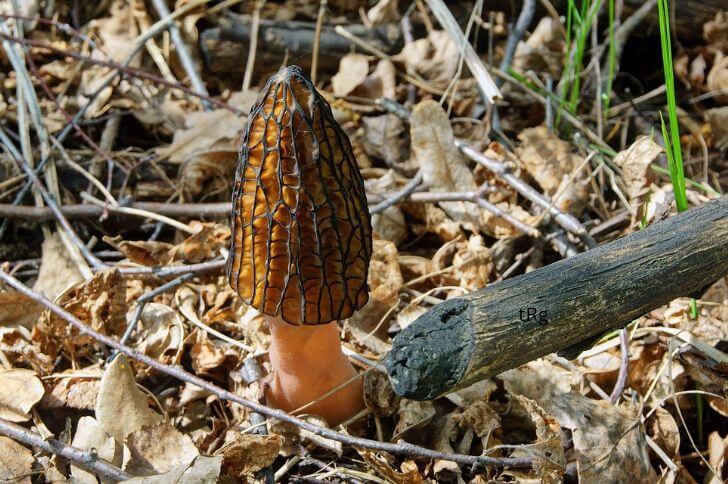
{"type": "Point", "coordinates": [480, 417]}
{"type": "Point", "coordinates": [443, 166]}
{"type": "Point", "coordinates": [246, 454]}
{"type": "Point", "coordinates": [163, 333]}
{"type": "Point", "coordinates": [718, 78]}
{"type": "Point", "coordinates": [385, 11]}
{"type": "Point", "coordinates": [635, 162]}
{"type": "Point", "coordinates": [663, 429]}
{"type": "Point", "coordinates": [99, 303]}
{"type": "Point", "coordinates": [435, 58]}
{"type": "Point", "coordinates": [412, 415]}
{"type": "Point", "coordinates": [385, 137]}
{"type": "Point", "coordinates": [543, 49]}
{"type": "Point", "coordinates": [609, 441]}
{"type": "Point", "coordinates": [121, 408]}
{"type": "Point", "coordinates": [546, 158]}
{"type": "Point", "coordinates": [74, 389]}
{"type": "Point", "coordinates": [90, 436]}
{"type": "Point", "coordinates": [549, 462]}
{"type": "Point", "coordinates": [21, 390]}
{"type": "Point", "coordinates": [16, 462]}
{"type": "Point", "coordinates": [717, 456]}
{"type": "Point", "coordinates": [157, 448]}
{"type": "Point", "coordinates": [208, 174]}
{"type": "Point", "coordinates": [382, 464]}
{"type": "Point", "coordinates": [21, 351]}
{"type": "Point", "coordinates": [718, 120]}
{"type": "Point", "coordinates": [379, 395]}
{"type": "Point", "coordinates": [353, 69]}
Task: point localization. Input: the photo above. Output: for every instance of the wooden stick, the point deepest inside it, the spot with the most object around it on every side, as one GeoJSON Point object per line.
{"type": "Point", "coordinates": [509, 323]}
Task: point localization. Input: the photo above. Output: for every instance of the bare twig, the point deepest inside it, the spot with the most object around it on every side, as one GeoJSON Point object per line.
{"type": "Point", "coordinates": [524, 20]}
{"type": "Point", "coordinates": [565, 220]}
{"type": "Point", "coordinates": [250, 63]}
{"type": "Point", "coordinates": [623, 367]}
{"type": "Point", "coordinates": [400, 448]}
{"type": "Point", "coordinates": [86, 459]}
{"type": "Point", "coordinates": [488, 88]}
{"type": "Point", "coordinates": [317, 40]}
{"type": "Point", "coordinates": [397, 197]}
{"type": "Point", "coordinates": [183, 52]}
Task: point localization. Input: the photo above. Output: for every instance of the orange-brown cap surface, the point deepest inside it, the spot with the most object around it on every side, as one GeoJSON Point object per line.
{"type": "Point", "coordinates": [301, 228]}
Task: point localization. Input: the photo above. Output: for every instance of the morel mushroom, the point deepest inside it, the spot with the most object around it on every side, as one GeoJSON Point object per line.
{"type": "Point", "coordinates": [301, 243]}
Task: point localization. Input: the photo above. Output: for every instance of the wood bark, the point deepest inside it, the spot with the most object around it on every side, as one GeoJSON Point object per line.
{"type": "Point", "coordinates": [477, 336]}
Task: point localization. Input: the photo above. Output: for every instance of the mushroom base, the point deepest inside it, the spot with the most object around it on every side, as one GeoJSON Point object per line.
{"type": "Point", "coordinates": [307, 362]}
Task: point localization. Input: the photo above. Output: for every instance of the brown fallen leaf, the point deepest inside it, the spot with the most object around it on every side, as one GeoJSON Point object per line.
{"type": "Point", "coordinates": [549, 460]}
{"type": "Point", "coordinates": [16, 308]}
{"type": "Point", "coordinates": [442, 165]}
{"type": "Point", "coordinates": [245, 454]}
{"type": "Point", "coordinates": [385, 11]}
{"type": "Point", "coordinates": [353, 69]}
{"type": "Point", "coordinates": [718, 120]}
{"type": "Point", "coordinates": [717, 456]}
{"type": "Point", "coordinates": [162, 335]}
{"type": "Point", "coordinates": [435, 57]}
{"type": "Point", "coordinates": [57, 270]}
{"type": "Point", "coordinates": [90, 436]}
{"type": "Point", "coordinates": [635, 162]}
{"type": "Point", "coordinates": [412, 415]}
{"type": "Point", "coordinates": [382, 464]}
{"type": "Point", "coordinates": [202, 470]}
{"type": "Point", "coordinates": [121, 408]}
{"type": "Point", "coordinates": [16, 462]}
{"type": "Point", "coordinates": [609, 441]}
{"type": "Point", "coordinates": [546, 158]}
{"type": "Point", "coordinates": [71, 391]}
{"type": "Point", "coordinates": [156, 448]}
{"type": "Point", "coordinates": [21, 390]}
{"type": "Point", "coordinates": [718, 78]}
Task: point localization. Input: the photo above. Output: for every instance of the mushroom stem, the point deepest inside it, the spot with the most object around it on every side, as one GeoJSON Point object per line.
{"type": "Point", "coordinates": [307, 362]}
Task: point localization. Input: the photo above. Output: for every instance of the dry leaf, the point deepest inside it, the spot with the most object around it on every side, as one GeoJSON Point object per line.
{"type": "Point", "coordinates": [443, 166]}
{"type": "Point", "coordinates": [385, 11]}
{"type": "Point", "coordinates": [435, 58]}
{"type": "Point", "coordinates": [57, 270]}
{"type": "Point", "coordinates": [480, 417]}
{"type": "Point", "coordinates": [71, 391]}
{"type": "Point", "coordinates": [545, 157]}
{"type": "Point", "coordinates": [121, 408]}
{"type": "Point", "coordinates": [99, 303]}
{"type": "Point", "coordinates": [382, 463]}
{"type": "Point", "coordinates": [385, 138]}
{"type": "Point", "coordinates": [90, 436]}
{"type": "Point", "coordinates": [412, 415]}
{"type": "Point", "coordinates": [609, 442]}
{"type": "Point", "coordinates": [353, 69]}
{"type": "Point", "coordinates": [16, 462]}
{"type": "Point", "coordinates": [21, 390]}
{"type": "Point", "coordinates": [549, 462]}
{"type": "Point", "coordinates": [385, 282]}
{"type": "Point", "coordinates": [162, 334]}
{"type": "Point", "coordinates": [379, 396]}
{"type": "Point", "coordinates": [718, 78]}
{"type": "Point", "coordinates": [203, 470]}
{"type": "Point", "coordinates": [543, 49]}
{"type": "Point", "coordinates": [665, 432]}
{"type": "Point", "coordinates": [635, 162]}
{"type": "Point", "coordinates": [246, 454]}
{"type": "Point", "coordinates": [205, 131]}
{"type": "Point", "coordinates": [717, 456]}
{"type": "Point", "coordinates": [156, 448]}
{"type": "Point", "coordinates": [17, 308]}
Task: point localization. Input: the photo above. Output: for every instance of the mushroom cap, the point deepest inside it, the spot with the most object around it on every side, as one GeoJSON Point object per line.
{"type": "Point", "coordinates": [301, 230]}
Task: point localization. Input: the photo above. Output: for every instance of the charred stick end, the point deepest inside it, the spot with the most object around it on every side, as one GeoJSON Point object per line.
{"type": "Point", "coordinates": [432, 354]}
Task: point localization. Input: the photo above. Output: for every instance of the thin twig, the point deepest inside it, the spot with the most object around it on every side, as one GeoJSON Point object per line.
{"type": "Point", "coordinates": [183, 52]}
{"type": "Point", "coordinates": [253, 48]}
{"type": "Point", "coordinates": [397, 197]}
{"type": "Point", "coordinates": [623, 367]}
{"type": "Point", "coordinates": [317, 40]}
{"type": "Point", "coordinates": [524, 20]}
{"type": "Point", "coordinates": [400, 448]}
{"type": "Point", "coordinates": [488, 88]}
{"type": "Point", "coordinates": [86, 459]}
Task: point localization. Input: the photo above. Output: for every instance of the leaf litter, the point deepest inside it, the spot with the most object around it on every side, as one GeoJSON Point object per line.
{"type": "Point", "coordinates": [669, 422]}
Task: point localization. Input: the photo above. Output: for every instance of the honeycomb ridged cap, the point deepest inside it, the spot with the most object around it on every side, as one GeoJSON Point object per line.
{"type": "Point", "coordinates": [301, 229]}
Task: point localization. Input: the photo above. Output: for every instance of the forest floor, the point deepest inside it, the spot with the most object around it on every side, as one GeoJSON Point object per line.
{"type": "Point", "coordinates": [132, 119]}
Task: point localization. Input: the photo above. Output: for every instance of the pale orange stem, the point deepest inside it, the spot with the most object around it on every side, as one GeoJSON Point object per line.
{"type": "Point", "coordinates": [307, 362]}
